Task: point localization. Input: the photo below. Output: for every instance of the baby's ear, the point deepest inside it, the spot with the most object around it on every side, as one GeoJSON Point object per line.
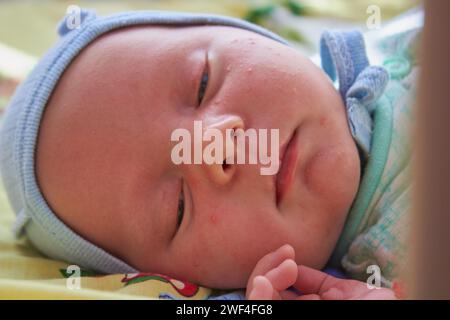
{"type": "Point", "coordinates": [75, 17]}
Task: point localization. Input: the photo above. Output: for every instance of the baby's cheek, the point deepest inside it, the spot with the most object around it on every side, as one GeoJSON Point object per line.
{"type": "Point", "coordinates": [325, 171]}
{"type": "Point", "coordinates": [194, 262]}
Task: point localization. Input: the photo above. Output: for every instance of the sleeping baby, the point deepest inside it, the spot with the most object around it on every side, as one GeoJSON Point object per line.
{"type": "Point", "coordinates": [86, 156]}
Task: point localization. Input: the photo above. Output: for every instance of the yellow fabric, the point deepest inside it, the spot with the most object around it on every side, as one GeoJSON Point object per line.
{"type": "Point", "coordinates": [26, 274]}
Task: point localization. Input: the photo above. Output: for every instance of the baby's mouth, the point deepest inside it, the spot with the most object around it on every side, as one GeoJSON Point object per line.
{"type": "Point", "coordinates": [288, 165]}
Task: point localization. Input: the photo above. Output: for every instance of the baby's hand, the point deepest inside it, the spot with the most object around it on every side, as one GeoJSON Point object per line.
{"type": "Point", "coordinates": [273, 275]}
{"type": "Point", "coordinates": [317, 285]}
{"type": "Point", "coordinates": [277, 271]}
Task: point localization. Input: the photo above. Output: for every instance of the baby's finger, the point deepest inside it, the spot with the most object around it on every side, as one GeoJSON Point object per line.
{"type": "Point", "coordinates": [262, 289]}
{"type": "Point", "coordinates": [309, 297]}
{"type": "Point", "coordinates": [333, 294]}
{"type": "Point", "coordinates": [310, 281]}
{"type": "Point", "coordinates": [270, 261]}
{"type": "Point", "coordinates": [283, 276]}
{"type": "Point", "coordinates": [288, 295]}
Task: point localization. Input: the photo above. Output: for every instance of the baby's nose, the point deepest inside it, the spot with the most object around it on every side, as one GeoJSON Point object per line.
{"type": "Point", "coordinates": [219, 151]}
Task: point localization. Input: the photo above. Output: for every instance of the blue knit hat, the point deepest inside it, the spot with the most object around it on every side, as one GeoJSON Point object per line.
{"type": "Point", "coordinates": [19, 132]}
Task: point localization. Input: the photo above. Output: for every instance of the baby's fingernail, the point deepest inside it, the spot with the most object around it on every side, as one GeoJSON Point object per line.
{"type": "Point", "coordinates": [286, 247]}
{"type": "Point", "coordinates": [282, 247]}
{"type": "Point", "coordinates": [258, 279]}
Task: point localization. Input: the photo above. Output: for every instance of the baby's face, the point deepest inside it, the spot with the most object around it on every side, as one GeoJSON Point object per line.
{"type": "Point", "coordinates": [104, 162]}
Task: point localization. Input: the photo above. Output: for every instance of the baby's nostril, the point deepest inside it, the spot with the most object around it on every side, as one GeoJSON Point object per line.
{"type": "Point", "coordinates": [225, 165]}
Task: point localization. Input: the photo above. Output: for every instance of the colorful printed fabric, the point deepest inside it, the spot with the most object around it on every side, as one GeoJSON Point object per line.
{"type": "Point", "coordinates": [26, 274]}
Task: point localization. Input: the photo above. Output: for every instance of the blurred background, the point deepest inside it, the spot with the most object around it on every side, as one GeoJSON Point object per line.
{"type": "Point", "coordinates": [30, 25]}
{"type": "Point", "coordinates": [28, 28]}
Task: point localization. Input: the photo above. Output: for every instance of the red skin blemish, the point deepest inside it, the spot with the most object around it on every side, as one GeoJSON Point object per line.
{"type": "Point", "coordinates": [213, 219]}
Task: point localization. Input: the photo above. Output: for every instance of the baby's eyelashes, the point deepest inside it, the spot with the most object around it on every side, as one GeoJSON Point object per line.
{"type": "Point", "coordinates": [203, 86]}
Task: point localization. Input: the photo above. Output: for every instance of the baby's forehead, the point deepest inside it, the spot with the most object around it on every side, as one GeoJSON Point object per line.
{"type": "Point", "coordinates": [119, 56]}
{"type": "Point", "coordinates": [128, 68]}
{"type": "Point", "coordinates": [160, 35]}
{"type": "Point", "coordinates": [126, 53]}
{"type": "Point", "coordinates": [138, 69]}
{"type": "Point", "coordinates": [145, 45]}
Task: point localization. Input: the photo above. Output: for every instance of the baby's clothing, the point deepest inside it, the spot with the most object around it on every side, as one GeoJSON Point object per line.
{"type": "Point", "coordinates": [380, 114]}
